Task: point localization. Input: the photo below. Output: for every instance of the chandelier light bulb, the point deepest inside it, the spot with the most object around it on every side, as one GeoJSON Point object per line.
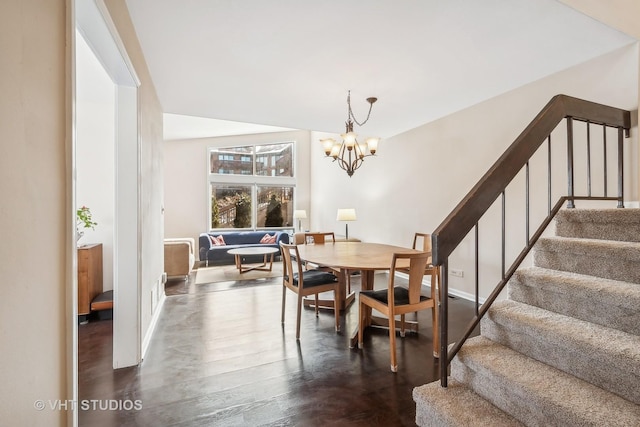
{"type": "Point", "coordinates": [335, 151]}
{"type": "Point", "coordinates": [350, 140]}
{"type": "Point", "coordinates": [372, 143]}
{"type": "Point", "coordinates": [327, 145]}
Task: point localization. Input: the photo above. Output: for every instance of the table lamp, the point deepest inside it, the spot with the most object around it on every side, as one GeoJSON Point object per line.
{"type": "Point", "coordinates": [346, 215]}
{"type": "Point", "coordinates": [300, 215]}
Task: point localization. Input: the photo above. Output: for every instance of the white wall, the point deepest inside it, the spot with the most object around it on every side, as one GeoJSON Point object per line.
{"type": "Point", "coordinates": [186, 178]}
{"type": "Point", "coordinates": [419, 176]}
{"type": "Point", "coordinates": [95, 165]}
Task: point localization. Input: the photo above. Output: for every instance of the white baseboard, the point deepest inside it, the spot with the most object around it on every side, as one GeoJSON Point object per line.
{"type": "Point", "coordinates": [153, 323]}
{"type": "Point", "coordinates": [632, 204]}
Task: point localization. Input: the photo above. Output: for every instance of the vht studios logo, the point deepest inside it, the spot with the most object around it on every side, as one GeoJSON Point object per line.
{"type": "Point", "coordinates": [88, 405]}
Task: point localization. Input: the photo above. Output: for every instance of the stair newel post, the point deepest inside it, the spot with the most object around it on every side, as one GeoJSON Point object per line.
{"type": "Point", "coordinates": [444, 323]}
{"type": "Point", "coordinates": [620, 169]}
{"type": "Point", "coordinates": [570, 202]}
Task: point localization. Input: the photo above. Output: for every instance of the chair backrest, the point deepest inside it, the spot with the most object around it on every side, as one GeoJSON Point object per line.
{"type": "Point", "coordinates": [422, 242]}
{"type": "Point", "coordinates": [298, 238]}
{"type": "Point", "coordinates": [319, 237]}
{"type": "Point", "coordinates": [289, 251]}
{"type": "Point", "coordinates": [416, 269]}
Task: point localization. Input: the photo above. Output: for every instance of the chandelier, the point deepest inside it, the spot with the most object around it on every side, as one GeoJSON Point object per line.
{"type": "Point", "coordinates": [350, 153]}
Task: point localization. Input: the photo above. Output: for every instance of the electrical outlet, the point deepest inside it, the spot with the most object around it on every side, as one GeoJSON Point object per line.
{"type": "Point", "coordinates": [456, 273]}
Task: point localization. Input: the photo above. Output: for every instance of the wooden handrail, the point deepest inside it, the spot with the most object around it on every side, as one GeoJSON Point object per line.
{"type": "Point", "coordinates": [468, 212]}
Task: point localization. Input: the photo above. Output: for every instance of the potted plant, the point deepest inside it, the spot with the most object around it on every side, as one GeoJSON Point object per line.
{"type": "Point", "coordinates": [84, 220]}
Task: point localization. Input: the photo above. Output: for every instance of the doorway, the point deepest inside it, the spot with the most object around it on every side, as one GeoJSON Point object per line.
{"type": "Point", "coordinates": [106, 166]}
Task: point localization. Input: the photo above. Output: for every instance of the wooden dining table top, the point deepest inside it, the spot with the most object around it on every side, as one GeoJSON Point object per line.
{"type": "Point", "coordinates": [352, 255]}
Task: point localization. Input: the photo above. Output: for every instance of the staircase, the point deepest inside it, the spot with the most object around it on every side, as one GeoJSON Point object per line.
{"type": "Point", "coordinates": [564, 348]}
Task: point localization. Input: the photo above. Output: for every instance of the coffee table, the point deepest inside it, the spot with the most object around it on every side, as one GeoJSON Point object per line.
{"type": "Point", "coordinates": [254, 250]}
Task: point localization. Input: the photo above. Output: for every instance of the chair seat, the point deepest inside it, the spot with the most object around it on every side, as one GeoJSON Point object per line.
{"type": "Point", "coordinates": [400, 295]}
{"type": "Point", "coordinates": [314, 278]}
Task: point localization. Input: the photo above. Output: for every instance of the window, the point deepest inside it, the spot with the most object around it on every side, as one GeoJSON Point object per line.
{"type": "Point", "coordinates": [251, 186]}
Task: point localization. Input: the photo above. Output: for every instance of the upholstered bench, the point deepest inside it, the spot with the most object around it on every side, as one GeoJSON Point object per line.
{"type": "Point", "coordinates": [103, 304]}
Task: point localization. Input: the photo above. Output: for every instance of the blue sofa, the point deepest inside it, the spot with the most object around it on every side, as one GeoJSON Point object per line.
{"type": "Point", "coordinates": [217, 255]}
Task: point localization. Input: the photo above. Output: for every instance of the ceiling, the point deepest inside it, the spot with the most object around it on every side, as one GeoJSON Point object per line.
{"type": "Point", "coordinates": [290, 63]}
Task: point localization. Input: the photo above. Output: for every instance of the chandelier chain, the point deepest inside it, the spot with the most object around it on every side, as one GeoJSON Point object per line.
{"type": "Point", "coordinates": [351, 116]}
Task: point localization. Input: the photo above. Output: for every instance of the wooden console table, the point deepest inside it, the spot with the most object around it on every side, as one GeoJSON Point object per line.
{"type": "Point", "coordinates": [89, 276]}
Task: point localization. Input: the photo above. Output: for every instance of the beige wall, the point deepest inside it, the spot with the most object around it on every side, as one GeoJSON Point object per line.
{"type": "Point", "coordinates": [33, 212]}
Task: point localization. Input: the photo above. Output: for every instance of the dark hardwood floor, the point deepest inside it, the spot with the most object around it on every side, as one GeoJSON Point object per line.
{"type": "Point", "coordinates": [220, 357]}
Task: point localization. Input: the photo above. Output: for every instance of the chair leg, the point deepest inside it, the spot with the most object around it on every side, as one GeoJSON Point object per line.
{"type": "Point", "coordinates": [317, 308]}
{"type": "Point", "coordinates": [392, 343]}
{"type": "Point", "coordinates": [336, 310]}
{"type": "Point", "coordinates": [284, 298]}
{"type": "Point", "coordinates": [298, 317]}
{"type": "Point", "coordinates": [361, 325]}
{"type": "Point", "coordinates": [402, 333]}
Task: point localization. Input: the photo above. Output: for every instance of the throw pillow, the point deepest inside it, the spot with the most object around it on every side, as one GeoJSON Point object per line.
{"type": "Point", "coordinates": [266, 239]}
{"type": "Point", "coordinates": [217, 241]}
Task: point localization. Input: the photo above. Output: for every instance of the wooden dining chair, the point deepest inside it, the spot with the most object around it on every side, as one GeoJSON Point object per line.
{"type": "Point", "coordinates": [320, 238]}
{"type": "Point", "coordinates": [398, 300]}
{"type": "Point", "coordinates": [422, 242]}
{"type": "Point", "coordinates": [304, 283]}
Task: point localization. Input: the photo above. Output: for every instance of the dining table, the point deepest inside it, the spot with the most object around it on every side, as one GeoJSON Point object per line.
{"type": "Point", "coordinates": [345, 257]}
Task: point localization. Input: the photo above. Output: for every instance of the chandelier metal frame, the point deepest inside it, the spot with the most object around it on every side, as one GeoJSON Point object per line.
{"type": "Point", "coordinates": [350, 153]}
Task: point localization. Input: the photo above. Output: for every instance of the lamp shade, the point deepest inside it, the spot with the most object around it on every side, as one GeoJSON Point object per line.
{"type": "Point", "coordinates": [300, 214]}
{"type": "Point", "coordinates": [346, 215]}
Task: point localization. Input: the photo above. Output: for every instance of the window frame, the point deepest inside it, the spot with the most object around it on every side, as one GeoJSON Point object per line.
{"type": "Point", "coordinates": [254, 181]}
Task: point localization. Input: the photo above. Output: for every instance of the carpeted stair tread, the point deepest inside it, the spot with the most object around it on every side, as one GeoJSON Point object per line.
{"type": "Point", "coordinates": [602, 356]}
{"type": "Point", "coordinates": [611, 303]}
{"type": "Point", "coordinates": [600, 258]}
{"type": "Point", "coordinates": [456, 406]}
{"type": "Point", "coordinates": [606, 224]}
{"type": "Point", "coordinates": [536, 393]}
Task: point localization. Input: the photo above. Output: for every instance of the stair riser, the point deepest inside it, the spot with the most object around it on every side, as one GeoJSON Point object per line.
{"type": "Point", "coordinates": [590, 263]}
{"type": "Point", "coordinates": [534, 392]}
{"type": "Point", "coordinates": [580, 360]}
{"type": "Point", "coordinates": [615, 224]}
{"type": "Point", "coordinates": [510, 398]}
{"type": "Point", "coordinates": [456, 406]}
{"type": "Point", "coordinates": [576, 305]}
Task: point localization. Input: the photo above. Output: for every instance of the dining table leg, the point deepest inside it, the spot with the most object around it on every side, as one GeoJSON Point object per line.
{"type": "Point", "coordinates": [367, 278]}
